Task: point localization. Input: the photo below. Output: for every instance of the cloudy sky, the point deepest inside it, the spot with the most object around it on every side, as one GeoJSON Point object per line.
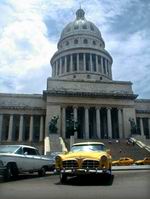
{"type": "Point", "coordinates": [30, 29]}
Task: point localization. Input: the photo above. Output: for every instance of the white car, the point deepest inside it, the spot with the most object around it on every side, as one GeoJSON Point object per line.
{"type": "Point", "coordinates": [16, 159]}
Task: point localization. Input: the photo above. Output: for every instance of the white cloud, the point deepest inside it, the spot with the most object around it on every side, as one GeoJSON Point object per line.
{"type": "Point", "coordinates": [27, 43]}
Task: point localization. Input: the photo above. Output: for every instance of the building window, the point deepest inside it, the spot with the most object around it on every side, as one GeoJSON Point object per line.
{"type": "Point", "coordinates": [54, 69]}
{"type": "Point", "coordinates": [94, 62]}
{"type": "Point", "coordinates": [74, 76]}
{"type": "Point", "coordinates": [63, 64]}
{"type": "Point", "coordinates": [100, 78]}
{"type": "Point", "coordinates": [75, 41]}
{"type": "Point", "coordinates": [104, 66]}
{"type": "Point", "coordinates": [84, 26]}
{"type": "Point", "coordinates": [74, 58]}
{"type": "Point", "coordinates": [99, 63]}
{"type": "Point", "coordinates": [87, 60]}
{"type": "Point", "coordinates": [81, 61]}
{"type": "Point", "coordinates": [88, 77]}
{"type": "Point", "coordinates": [68, 63]}
{"type": "Point", "coordinates": [94, 42]}
{"type": "Point", "coordinates": [92, 27]}
{"type": "Point", "coordinates": [85, 41]}
{"type": "Point", "coordinates": [67, 43]}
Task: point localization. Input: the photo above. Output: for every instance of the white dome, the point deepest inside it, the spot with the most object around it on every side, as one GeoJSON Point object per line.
{"type": "Point", "coordinates": [80, 26]}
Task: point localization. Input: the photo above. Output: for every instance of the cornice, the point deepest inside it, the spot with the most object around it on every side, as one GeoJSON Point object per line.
{"type": "Point", "coordinates": [91, 94]}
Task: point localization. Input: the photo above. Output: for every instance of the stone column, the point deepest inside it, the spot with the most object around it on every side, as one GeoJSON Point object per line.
{"type": "Point", "coordinates": [102, 67]}
{"type": "Point", "coordinates": [106, 66]}
{"type": "Point", "coordinates": [10, 131]}
{"type": "Point", "coordinates": [120, 123]}
{"type": "Point", "coordinates": [78, 62]}
{"type": "Point", "coordinates": [53, 70]}
{"type": "Point", "coordinates": [64, 122]}
{"type": "Point", "coordinates": [31, 129]}
{"type": "Point", "coordinates": [108, 69]}
{"type": "Point", "coordinates": [56, 71]}
{"type": "Point", "coordinates": [149, 127]}
{"type": "Point", "coordinates": [98, 122]}
{"type": "Point", "coordinates": [75, 115]}
{"type": "Point", "coordinates": [97, 69]}
{"type": "Point", "coordinates": [60, 66]}
{"type": "Point", "coordinates": [84, 62]}
{"type": "Point", "coordinates": [87, 123]}
{"type": "Point", "coordinates": [65, 64]}
{"type": "Point", "coordinates": [109, 123]}
{"type": "Point", "coordinates": [91, 63]}
{"type": "Point", "coordinates": [71, 63]}
{"type": "Point", "coordinates": [41, 127]}
{"type": "Point", "coordinates": [21, 129]}
{"type": "Point", "coordinates": [141, 127]}
{"type": "Point", "coordinates": [1, 126]}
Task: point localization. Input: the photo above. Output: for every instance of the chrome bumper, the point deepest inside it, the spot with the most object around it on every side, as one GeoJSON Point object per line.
{"type": "Point", "coordinates": [83, 171]}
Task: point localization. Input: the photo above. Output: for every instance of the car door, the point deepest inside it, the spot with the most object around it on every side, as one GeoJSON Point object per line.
{"type": "Point", "coordinates": [28, 159]}
{"type": "Point", "coordinates": [19, 158]}
{"type": "Point", "coordinates": [121, 161]}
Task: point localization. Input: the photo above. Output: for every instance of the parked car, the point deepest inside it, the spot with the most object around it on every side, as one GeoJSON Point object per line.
{"type": "Point", "coordinates": [16, 159]}
{"type": "Point", "coordinates": [52, 157]}
{"type": "Point", "coordinates": [83, 159]}
{"type": "Point", "coordinates": [124, 161]}
{"type": "Point", "coordinates": [145, 161]}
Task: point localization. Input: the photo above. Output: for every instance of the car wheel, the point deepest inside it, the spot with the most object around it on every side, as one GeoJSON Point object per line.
{"type": "Point", "coordinates": [63, 178]}
{"type": "Point", "coordinates": [8, 173]}
{"type": "Point", "coordinates": [42, 172]}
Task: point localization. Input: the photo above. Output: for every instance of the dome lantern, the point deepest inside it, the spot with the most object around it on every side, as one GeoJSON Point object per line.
{"type": "Point", "coordinates": [80, 14]}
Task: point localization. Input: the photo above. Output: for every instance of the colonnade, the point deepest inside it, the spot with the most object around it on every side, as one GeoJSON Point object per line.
{"type": "Point", "coordinates": [143, 129]}
{"type": "Point", "coordinates": [97, 122]}
{"type": "Point", "coordinates": [81, 62]}
{"type": "Point", "coordinates": [21, 133]}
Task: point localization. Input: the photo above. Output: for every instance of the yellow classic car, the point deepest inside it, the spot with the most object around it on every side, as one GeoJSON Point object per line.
{"type": "Point", "coordinates": [145, 161]}
{"type": "Point", "coordinates": [83, 159]}
{"type": "Point", "coordinates": [124, 161]}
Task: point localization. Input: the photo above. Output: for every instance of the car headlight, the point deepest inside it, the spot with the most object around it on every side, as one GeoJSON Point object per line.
{"type": "Point", "coordinates": [103, 158]}
{"type": "Point", "coordinates": [1, 163]}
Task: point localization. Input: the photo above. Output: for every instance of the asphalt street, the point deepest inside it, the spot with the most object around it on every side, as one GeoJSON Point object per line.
{"type": "Point", "coordinates": [132, 184]}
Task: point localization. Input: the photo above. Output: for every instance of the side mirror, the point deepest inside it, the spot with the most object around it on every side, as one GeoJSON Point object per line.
{"type": "Point", "coordinates": [26, 153]}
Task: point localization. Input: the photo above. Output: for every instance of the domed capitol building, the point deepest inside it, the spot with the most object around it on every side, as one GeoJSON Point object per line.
{"type": "Point", "coordinates": [81, 90]}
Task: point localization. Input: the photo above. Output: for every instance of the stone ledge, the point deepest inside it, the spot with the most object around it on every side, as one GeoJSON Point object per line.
{"type": "Point", "coordinates": [94, 94]}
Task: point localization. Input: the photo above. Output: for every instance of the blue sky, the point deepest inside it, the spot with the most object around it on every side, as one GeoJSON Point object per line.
{"type": "Point", "coordinates": [30, 30]}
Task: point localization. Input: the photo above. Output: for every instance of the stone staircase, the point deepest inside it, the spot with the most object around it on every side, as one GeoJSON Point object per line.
{"type": "Point", "coordinates": [119, 149]}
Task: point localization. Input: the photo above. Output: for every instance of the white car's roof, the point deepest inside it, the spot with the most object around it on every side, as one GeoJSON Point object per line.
{"type": "Point", "coordinates": [17, 145]}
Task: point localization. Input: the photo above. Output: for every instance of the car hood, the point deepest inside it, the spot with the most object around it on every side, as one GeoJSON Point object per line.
{"type": "Point", "coordinates": [83, 155]}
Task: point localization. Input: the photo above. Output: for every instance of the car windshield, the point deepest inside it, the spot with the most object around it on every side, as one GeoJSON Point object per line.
{"type": "Point", "coordinates": [94, 147]}
{"type": "Point", "coordinates": [8, 149]}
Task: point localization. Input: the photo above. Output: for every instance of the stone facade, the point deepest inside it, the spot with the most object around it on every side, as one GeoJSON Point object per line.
{"type": "Point", "coordinates": [81, 90]}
